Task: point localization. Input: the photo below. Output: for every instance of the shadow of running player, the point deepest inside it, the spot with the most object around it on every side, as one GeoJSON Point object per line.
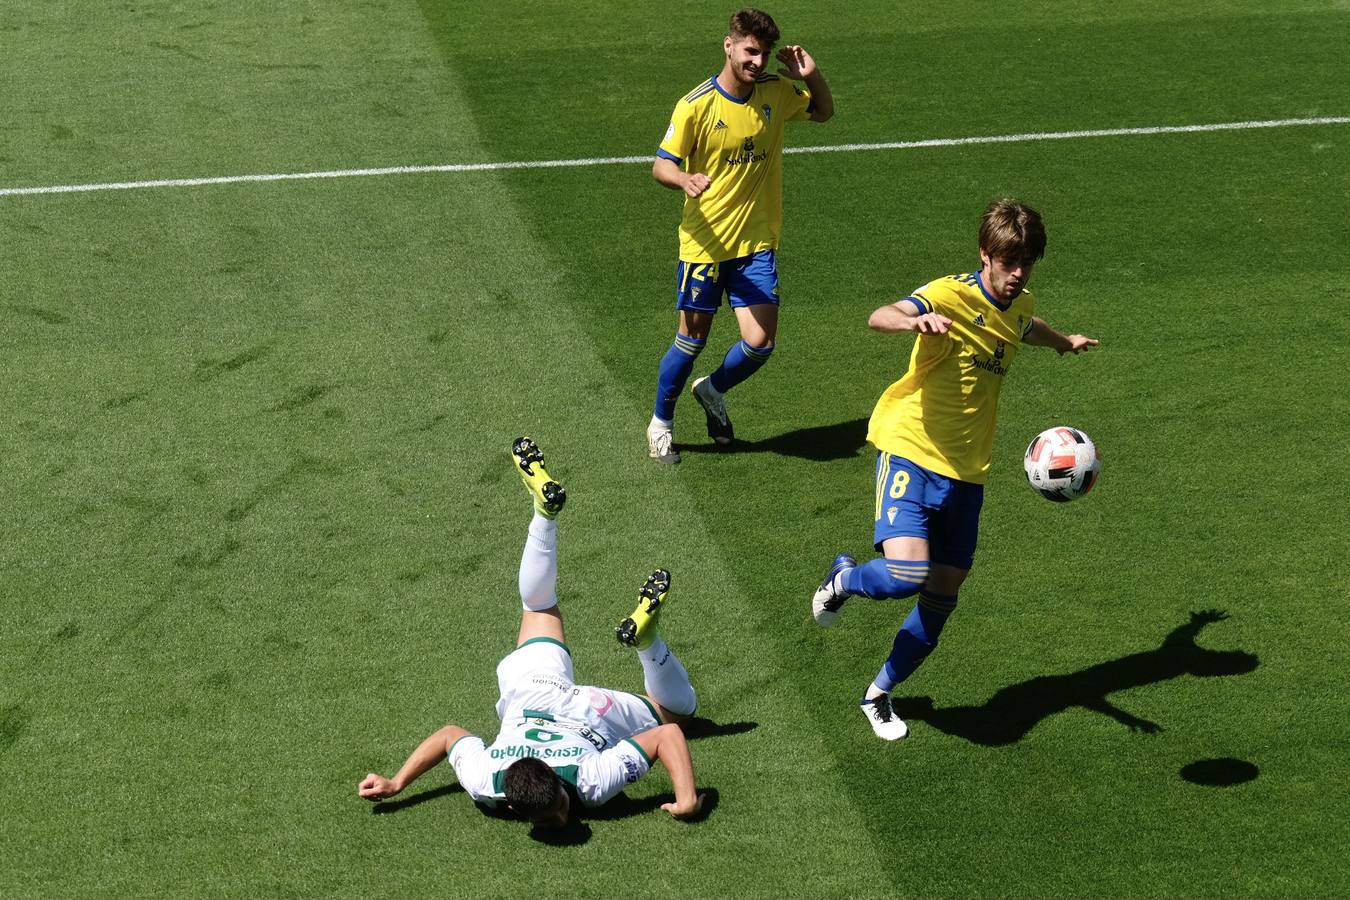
{"type": "Point", "coordinates": [1012, 712]}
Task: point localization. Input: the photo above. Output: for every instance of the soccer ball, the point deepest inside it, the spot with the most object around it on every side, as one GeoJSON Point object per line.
{"type": "Point", "coordinates": [1062, 464]}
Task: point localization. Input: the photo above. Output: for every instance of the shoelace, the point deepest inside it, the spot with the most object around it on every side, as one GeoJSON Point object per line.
{"type": "Point", "coordinates": [836, 601]}
{"type": "Point", "coordinates": [662, 442]}
{"type": "Point", "coordinates": [882, 705]}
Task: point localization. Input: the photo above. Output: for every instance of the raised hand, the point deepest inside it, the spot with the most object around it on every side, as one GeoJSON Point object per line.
{"type": "Point", "coordinates": [797, 63]}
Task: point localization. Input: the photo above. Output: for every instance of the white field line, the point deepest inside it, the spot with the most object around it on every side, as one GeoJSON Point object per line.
{"type": "Point", "coordinates": [627, 160]}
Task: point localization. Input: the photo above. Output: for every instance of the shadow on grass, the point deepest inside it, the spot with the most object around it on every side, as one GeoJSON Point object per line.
{"type": "Point", "coordinates": [1012, 712]}
{"type": "Point", "coordinates": [578, 830]}
{"type": "Point", "coordinates": [821, 443]}
{"type": "Point", "coordinates": [1223, 772]}
{"type": "Point", "coordinates": [698, 728]}
{"type": "Point", "coordinates": [391, 806]}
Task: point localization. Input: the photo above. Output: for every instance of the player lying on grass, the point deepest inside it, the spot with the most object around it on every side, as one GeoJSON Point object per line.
{"type": "Point", "coordinates": [561, 741]}
{"type": "Point", "coordinates": [934, 433]}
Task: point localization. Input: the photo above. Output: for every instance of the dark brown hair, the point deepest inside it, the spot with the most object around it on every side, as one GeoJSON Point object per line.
{"type": "Point", "coordinates": [753, 22]}
{"type": "Point", "coordinates": [531, 787]}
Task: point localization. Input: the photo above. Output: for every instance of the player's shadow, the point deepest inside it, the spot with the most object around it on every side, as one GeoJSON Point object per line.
{"type": "Point", "coordinates": [578, 830]}
{"type": "Point", "coordinates": [821, 443]}
{"type": "Point", "coordinates": [1013, 711]}
{"type": "Point", "coordinates": [385, 807]}
{"type": "Point", "coordinates": [698, 728]}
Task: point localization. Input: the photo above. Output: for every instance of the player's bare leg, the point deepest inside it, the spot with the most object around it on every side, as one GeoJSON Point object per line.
{"type": "Point", "coordinates": [759, 323]}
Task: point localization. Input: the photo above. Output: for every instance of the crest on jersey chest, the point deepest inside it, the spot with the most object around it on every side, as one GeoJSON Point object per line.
{"type": "Point", "coordinates": [768, 112]}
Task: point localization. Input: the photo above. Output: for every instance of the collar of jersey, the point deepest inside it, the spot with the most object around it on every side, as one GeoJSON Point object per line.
{"type": "Point", "coordinates": [1002, 307]}
{"type": "Point", "coordinates": [732, 97]}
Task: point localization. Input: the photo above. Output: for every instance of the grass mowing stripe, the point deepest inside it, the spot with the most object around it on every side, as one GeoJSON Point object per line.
{"type": "Point", "coordinates": [630, 160]}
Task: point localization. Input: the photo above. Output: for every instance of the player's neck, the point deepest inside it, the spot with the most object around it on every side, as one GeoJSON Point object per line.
{"type": "Point", "coordinates": [731, 85]}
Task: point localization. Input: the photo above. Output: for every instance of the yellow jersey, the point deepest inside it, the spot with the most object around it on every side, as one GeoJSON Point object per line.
{"type": "Point", "coordinates": [941, 414]}
{"type": "Point", "coordinates": [738, 144]}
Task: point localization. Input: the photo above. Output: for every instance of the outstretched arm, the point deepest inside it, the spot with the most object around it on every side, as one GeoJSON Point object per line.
{"type": "Point", "coordinates": [667, 744]}
{"type": "Point", "coordinates": [907, 316]}
{"type": "Point", "coordinates": [1132, 722]}
{"type": "Point", "coordinates": [1186, 634]}
{"type": "Point", "coordinates": [1042, 335]}
{"type": "Point", "coordinates": [428, 753]}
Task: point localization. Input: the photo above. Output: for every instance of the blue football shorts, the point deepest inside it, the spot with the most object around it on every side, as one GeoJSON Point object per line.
{"type": "Point", "coordinates": [746, 281]}
{"type": "Point", "coordinates": [912, 501]}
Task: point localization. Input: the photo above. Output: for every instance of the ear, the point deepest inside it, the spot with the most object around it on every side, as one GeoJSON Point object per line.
{"type": "Point", "coordinates": [726, 45]}
{"type": "Point", "coordinates": [984, 258]}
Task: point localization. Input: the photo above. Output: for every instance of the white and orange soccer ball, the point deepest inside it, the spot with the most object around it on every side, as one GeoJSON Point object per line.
{"type": "Point", "coordinates": [1062, 464]}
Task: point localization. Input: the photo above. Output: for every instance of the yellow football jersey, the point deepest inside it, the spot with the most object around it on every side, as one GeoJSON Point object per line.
{"type": "Point", "coordinates": [941, 414]}
{"type": "Point", "coordinates": [738, 144]}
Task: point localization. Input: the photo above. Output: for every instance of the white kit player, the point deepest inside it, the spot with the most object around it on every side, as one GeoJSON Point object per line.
{"type": "Point", "coordinates": [561, 741]}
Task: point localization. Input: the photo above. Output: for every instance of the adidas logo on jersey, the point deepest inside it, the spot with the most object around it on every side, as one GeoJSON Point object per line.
{"type": "Point", "coordinates": [979, 321]}
{"type": "Point", "coordinates": [720, 125]}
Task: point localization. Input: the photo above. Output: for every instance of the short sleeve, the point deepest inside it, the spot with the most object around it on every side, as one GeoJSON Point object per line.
{"type": "Point", "coordinates": [679, 140]}
{"type": "Point", "coordinates": [922, 297]}
{"type": "Point", "coordinates": [797, 101]}
{"type": "Point", "coordinates": [469, 758]}
{"type": "Point", "coordinates": [601, 776]}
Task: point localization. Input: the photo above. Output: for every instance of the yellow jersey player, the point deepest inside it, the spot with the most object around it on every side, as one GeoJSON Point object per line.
{"type": "Point", "coordinates": [934, 433]}
{"type": "Point", "coordinates": [724, 150]}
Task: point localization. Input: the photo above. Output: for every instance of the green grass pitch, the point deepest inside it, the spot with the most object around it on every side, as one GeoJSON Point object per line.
{"type": "Point", "coordinates": [258, 534]}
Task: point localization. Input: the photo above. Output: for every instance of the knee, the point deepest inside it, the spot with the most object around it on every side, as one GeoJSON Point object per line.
{"type": "Point", "coordinates": [905, 577]}
{"type": "Point", "coordinates": [760, 352]}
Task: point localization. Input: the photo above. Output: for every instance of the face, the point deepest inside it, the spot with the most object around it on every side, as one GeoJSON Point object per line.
{"type": "Point", "coordinates": [746, 57]}
{"type": "Point", "coordinates": [1006, 278]}
{"type": "Point", "coordinates": [555, 817]}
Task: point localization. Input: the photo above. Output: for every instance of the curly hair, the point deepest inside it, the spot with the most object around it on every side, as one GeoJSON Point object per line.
{"type": "Point", "coordinates": [753, 22]}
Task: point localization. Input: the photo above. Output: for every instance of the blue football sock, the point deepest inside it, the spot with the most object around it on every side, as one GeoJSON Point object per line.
{"type": "Point", "coordinates": [674, 372]}
{"type": "Point", "coordinates": [885, 579]}
{"type": "Point", "coordinates": [740, 363]}
{"type": "Point", "coordinates": [916, 639]}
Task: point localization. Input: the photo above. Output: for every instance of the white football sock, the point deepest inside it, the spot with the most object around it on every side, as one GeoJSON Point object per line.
{"type": "Point", "coordinates": [666, 680]}
{"type": "Point", "coordinates": [539, 565]}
